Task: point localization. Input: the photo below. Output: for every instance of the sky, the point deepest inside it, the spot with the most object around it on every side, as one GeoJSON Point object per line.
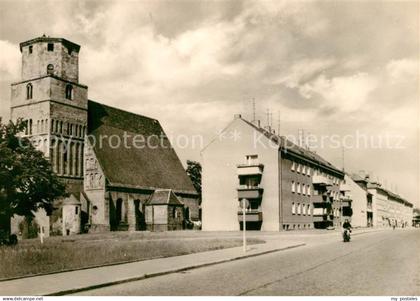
{"type": "Point", "coordinates": [329, 68]}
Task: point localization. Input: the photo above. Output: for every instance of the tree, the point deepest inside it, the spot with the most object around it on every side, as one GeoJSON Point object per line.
{"type": "Point", "coordinates": [194, 172]}
{"type": "Point", "coordinates": [27, 181]}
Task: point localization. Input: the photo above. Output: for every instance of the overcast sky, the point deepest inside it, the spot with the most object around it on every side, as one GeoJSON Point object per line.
{"type": "Point", "coordinates": [330, 67]}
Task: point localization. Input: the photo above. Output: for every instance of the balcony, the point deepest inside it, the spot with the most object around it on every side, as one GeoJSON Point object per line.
{"type": "Point", "coordinates": [250, 192]}
{"type": "Point", "coordinates": [321, 218]}
{"type": "Point", "coordinates": [318, 198]}
{"type": "Point", "coordinates": [252, 215]}
{"type": "Point", "coordinates": [250, 169]}
{"type": "Point", "coordinates": [321, 180]}
{"type": "Point", "coordinates": [345, 203]}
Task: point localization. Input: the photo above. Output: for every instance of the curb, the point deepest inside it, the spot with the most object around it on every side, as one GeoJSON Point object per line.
{"type": "Point", "coordinates": [146, 276]}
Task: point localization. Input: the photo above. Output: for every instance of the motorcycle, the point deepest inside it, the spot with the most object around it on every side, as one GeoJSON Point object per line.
{"type": "Point", "coordinates": [346, 235]}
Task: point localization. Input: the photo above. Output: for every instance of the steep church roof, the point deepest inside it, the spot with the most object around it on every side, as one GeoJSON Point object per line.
{"type": "Point", "coordinates": [134, 167]}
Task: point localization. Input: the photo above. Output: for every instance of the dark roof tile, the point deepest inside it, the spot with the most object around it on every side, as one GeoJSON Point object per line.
{"type": "Point", "coordinates": [132, 166]}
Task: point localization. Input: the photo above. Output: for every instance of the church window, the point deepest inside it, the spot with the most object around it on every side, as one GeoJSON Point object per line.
{"type": "Point", "coordinates": [30, 126]}
{"type": "Point", "coordinates": [65, 160]}
{"type": "Point", "coordinates": [29, 91]}
{"type": "Point", "coordinates": [69, 92]}
{"type": "Point", "coordinates": [50, 69]}
{"type": "Point", "coordinates": [50, 47]}
{"type": "Point", "coordinates": [77, 210]}
{"type": "Point", "coordinates": [118, 211]}
{"type": "Point", "coordinates": [30, 49]}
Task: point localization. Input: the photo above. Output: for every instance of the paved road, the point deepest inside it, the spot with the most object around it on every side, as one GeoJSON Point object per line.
{"type": "Point", "coordinates": [379, 263]}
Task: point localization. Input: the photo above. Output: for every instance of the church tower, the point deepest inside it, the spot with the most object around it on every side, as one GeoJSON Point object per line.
{"type": "Point", "coordinates": [54, 104]}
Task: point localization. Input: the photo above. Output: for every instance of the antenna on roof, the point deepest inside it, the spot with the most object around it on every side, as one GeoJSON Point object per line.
{"type": "Point", "coordinates": [253, 110]}
{"type": "Point", "coordinates": [300, 137]}
{"type": "Point", "coordinates": [307, 142]}
{"type": "Point", "coordinates": [268, 117]}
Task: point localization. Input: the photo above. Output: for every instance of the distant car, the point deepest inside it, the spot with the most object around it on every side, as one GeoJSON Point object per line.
{"type": "Point", "coordinates": [330, 228]}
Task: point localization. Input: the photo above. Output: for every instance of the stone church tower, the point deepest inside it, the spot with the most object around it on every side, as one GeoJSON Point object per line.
{"type": "Point", "coordinates": [109, 187]}
{"type": "Point", "coordinates": [54, 104]}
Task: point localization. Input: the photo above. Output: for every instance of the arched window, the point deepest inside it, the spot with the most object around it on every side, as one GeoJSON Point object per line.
{"type": "Point", "coordinates": [50, 69]}
{"type": "Point", "coordinates": [118, 211]}
{"type": "Point", "coordinates": [29, 89]}
{"type": "Point", "coordinates": [69, 92]}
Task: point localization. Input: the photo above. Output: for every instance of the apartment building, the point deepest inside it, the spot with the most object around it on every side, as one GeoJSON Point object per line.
{"type": "Point", "coordinates": [387, 208]}
{"type": "Point", "coordinates": [287, 186]}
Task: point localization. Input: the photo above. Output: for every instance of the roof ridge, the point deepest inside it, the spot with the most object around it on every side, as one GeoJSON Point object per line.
{"type": "Point", "coordinates": [121, 110]}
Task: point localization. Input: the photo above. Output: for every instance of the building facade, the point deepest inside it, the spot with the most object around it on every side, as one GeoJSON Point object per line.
{"type": "Point", "coordinates": [109, 186]}
{"type": "Point", "coordinates": [384, 207]}
{"type": "Point", "coordinates": [356, 203]}
{"type": "Point", "coordinates": [287, 187]}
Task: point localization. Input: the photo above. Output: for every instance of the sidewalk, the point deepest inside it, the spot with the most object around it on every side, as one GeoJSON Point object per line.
{"type": "Point", "coordinates": [76, 281]}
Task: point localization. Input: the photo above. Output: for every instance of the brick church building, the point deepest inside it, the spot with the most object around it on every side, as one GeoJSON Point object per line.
{"type": "Point", "coordinates": [109, 184]}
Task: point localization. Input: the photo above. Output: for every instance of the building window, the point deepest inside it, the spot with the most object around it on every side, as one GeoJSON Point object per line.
{"type": "Point", "coordinates": [298, 168]}
{"type": "Point", "coordinates": [29, 89]}
{"type": "Point", "coordinates": [298, 188]}
{"type": "Point", "coordinates": [30, 49]}
{"type": "Point", "coordinates": [50, 69]}
{"type": "Point", "coordinates": [77, 210]}
{"type": "Point", "coordinates": [304, 169]}
{"type": "Point", "coordinates": [293, 166]}
{"type": "Point", "coordinates": [293, 208]}
{"type": "Point", "coordinates": [308, 190]}
{"type": "Point", "coordinates": [69, 92]}
{"type": "Point", "coordinates": [303, 209]}
{"type": "Point", "coordinates": [308, 171]}
{"type": "Point", "coordinates": [293, 186]}
{"type": "Point", "coordinates": [50, 47]}
{"type": "Point", "coordinates": [298, 209]}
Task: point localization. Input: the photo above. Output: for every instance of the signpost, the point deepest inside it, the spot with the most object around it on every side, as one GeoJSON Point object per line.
{"type": "Point", "coordinates": [244, 205]}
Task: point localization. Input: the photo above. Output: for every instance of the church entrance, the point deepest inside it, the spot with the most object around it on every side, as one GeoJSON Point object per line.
{"type": "Point", "coordinates": [140, 218]}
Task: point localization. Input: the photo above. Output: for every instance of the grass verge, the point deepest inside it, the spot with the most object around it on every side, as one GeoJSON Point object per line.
{"type": "Point", "coordinates": [58, 254]}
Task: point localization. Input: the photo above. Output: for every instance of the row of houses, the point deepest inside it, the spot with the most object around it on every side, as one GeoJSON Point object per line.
{"type": "Point", "coordinates": [288, 187]}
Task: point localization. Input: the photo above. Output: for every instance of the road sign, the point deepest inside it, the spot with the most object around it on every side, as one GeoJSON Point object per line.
{"type": "Point", "coordinates": [244, 204]}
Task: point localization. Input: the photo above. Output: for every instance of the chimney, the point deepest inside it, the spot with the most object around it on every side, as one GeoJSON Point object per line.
{"type": "Point", "coordinates": [236, 116]}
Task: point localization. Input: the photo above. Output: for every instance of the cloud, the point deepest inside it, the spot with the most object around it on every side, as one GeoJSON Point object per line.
{"type": "Point", "coordinates": [348, 93]}
{"type": "Point", "coordinates": [403, 70]}
{"type": "Point", "coordinates": [9, 60]}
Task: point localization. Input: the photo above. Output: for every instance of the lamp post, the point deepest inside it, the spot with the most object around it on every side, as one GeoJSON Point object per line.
{"type": "Point", "coordinates": [244, 205]}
